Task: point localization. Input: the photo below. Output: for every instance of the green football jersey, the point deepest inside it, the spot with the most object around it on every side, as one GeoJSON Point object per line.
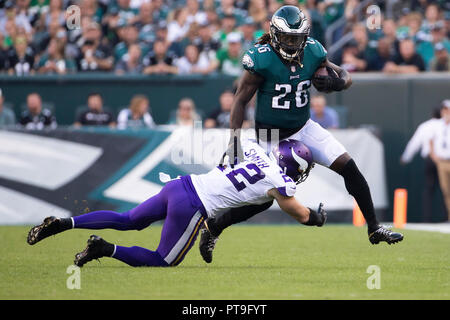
{"type": "Point", "coordinates": [283, 97]}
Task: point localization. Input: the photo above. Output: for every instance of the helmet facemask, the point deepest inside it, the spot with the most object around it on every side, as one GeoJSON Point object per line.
{"type": "Point", "coordinates": [289, 45]}
{"type": "Point", "coordinates": [289, 38]}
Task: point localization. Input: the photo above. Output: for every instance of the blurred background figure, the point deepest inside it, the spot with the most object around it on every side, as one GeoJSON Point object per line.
{"type": "Point", "coordinates": [420, 141]}
{"type": "Point", "coordinates": [21, 57]}
{"type": "Point", "coordinates": [220, 118]}
{"type": "Point", "coordinates": [440, 152]}
{"type": "Point", "coordinates": [186, 114]}
{"type": "Point", "coordinates": [194, 62]}
{"type": "Point", "coordinates": [131, 62]}
{"type": "Point", "coordinates": [7, 116]}
{"type": "Point", "coordinates": [160, 60]}
{"type": "Point", "coordinates": [35, 117]}
{"type": "Point", "coordinates": [441, 60]}
{"type": "Point", "coordinates": [95, 114]}
{"type": "Point", "coordinates": [320, 113]}
{"type": "Point", "coordinates": [407, 61]}
{"type": "Point", "coordinates": [137, 115]}
{"type": "Point", "coordinates": [229, 58]}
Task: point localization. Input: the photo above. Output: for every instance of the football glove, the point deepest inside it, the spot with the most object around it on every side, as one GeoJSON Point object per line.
{"type": "Point", "coordinates": [328, 83]}
{"type": "Point", "coordinates": [234, 151]}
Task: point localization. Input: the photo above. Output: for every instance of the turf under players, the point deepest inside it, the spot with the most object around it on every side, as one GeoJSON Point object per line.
{"type": "Point", "coordinates": [281, 69]}
{"type": "Point", "coordinates": [184, 203]}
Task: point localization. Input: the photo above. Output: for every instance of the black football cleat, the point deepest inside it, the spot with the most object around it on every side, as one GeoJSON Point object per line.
{"type": "Point", "coordinates": [383, 234]}
{"type": "Point", "coordinates": [49, 227]}
{"type": "Point", "coordinates": [207, 243]}
{"type": "Point", "coordinates": [96, 248]}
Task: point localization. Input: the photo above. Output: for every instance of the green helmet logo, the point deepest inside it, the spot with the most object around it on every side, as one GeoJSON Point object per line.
{"type": "Point", "coordinates": [289, 30]}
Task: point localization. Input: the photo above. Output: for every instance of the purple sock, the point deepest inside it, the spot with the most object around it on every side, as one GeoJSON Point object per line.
{"type": "Point", "coordinates": [138, 257]}
{"type": "Point", "coordinates": [104, 220]}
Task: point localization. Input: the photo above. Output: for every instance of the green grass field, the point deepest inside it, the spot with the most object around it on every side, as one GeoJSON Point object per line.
{"type": "Point", "coordinates": [250, 262]}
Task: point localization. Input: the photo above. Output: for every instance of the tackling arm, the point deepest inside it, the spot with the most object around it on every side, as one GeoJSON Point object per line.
{"type": "Point", "coordinates": [291, 206]}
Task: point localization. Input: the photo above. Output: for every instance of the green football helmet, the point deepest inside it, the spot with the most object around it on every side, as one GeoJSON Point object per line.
{"type": "Point", "coordinates": [289, 30]}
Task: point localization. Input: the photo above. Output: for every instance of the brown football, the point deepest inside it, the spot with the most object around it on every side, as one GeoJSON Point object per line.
{"type": "Point", "coordinates": [322, 71]}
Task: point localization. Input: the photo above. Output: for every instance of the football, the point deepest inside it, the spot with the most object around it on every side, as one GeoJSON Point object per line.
{"type": "Point", "coordinates": [322, 71]}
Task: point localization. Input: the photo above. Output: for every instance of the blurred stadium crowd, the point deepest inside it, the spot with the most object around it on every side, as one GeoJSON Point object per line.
{"type": "Point", "coordinates": [206, 36]}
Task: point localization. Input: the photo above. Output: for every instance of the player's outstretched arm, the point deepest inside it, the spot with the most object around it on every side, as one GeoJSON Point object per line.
{"type": "Point", "coordinates": [295, 209]}
{"type": "Point", "coordinates": [291, 206]}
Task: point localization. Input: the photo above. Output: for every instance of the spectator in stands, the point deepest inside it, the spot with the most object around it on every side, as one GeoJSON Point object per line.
{"type": "Point", "coordinates": [12, 17]}
{"type": "Point", "coordinates": [205, 42]}
{"type": "Point", "coordinates": [146, 24]}
{"type": "Point", "coordinates": [257, 10]}
{"type": "Point", "coordinates": [3, 54]}
{"type": "Point", "coordinates": [248, 34]}
{"type": "Point", "coordinates": [7, 116]}
{"type": "Point", "coordinates": [440, 152]}
{"type": "Point", "coordinates": [432, 16]}
{"type": "Point", "coordinates": [441, 60]}
{"type": "Point", "coordinates": [137, 115]}
{"type": "Point", "coordinates": [160, 60]}
{"type": "Point", "coordinates": [229, 59]}
{"type": "Point", "coordinates": [53, 60]}
{"type": "Point", "coordinates": [408, 61]}
{"type": "Point", "coordinates": [130, 36]}
{"type": "Point", "coordinates": [179, 26]}
{"type": "Point", "coordinates": [131, 62]}
{"type": "Point", "coordinates": [195, 15]}
{"type": "Point", "coordinates": [227, 26]}
{"type": "Point", "coordinates": [94, 54]}
{"type": "Point", "coordinates": [95, 114]}
{"type": "Point", "coordinates": [220, 118]}
{"type": "Point", "coordinates": [438, 35]}
{"type": "Point", "coordinates": [382, 56]}
{"type": "Point", "coordinates": [352, 58]}
{"type": "Point", "coordinates": [35, 117]}
{"type": "Point", "coordinates": [323, 115]}
{"type": "Point", "coordinates": [194, 62]}
{"type": "Point", "coordinates": [21, 57]}
{"type": "Point", "coordinates": [227, 10]}
{"type": "Point", "coordinates": [186, 114]}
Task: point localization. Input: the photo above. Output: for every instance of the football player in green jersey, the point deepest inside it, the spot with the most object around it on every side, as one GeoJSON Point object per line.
{"type": "Point", "coordinates": [280, 68]}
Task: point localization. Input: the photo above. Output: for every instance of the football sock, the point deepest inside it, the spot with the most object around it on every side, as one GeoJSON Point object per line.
{"type": "Point", "coordinates": [104, 220]}
{"type": "Point", "coordinates": [314, 218]}
{"type": "Point", "coordinates": [65, 224]}
{"type": "Point", "coordinates": [235, 215]}
{"type": "Point", "coordinates": [138, 256]}
{"type": "Point", "coordinates": [357, 186]}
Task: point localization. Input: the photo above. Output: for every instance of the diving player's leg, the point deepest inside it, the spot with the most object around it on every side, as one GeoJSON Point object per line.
{"type": "Point", "coordinates": [179, 232]}
{"type": "Point", "coordinates": [138, 218]}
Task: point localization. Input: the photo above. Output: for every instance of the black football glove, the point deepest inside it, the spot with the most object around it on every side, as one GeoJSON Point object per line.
{"type": "Point", "coordinates": [328, 83]}
{"type": "Point", "coordinates": [234, 151]}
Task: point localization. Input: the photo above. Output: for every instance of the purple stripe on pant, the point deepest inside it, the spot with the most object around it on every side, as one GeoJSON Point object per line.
{"type": "Point", "coordinates": [177, 203]}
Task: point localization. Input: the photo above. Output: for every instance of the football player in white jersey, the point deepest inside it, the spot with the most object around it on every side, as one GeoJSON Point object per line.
{"type": "Point", "coordinates": [186, 202]}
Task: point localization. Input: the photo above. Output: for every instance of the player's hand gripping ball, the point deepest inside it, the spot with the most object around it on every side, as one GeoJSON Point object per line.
{"type": "Point", "coordinates": [326, 80]}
